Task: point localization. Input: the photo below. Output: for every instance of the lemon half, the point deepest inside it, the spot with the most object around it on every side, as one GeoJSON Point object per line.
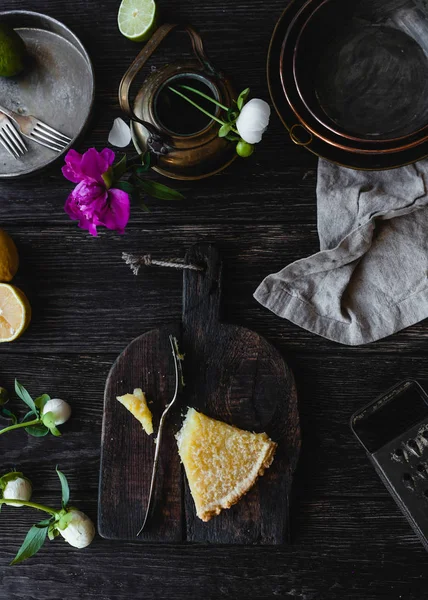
{"type": "Point", "coordinates": [15, 312]}
{"type": "Point", "coordinates": [9, 259]}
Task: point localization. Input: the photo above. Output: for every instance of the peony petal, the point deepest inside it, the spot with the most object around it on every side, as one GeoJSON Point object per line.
{"type": "Point", "coordinates": [72, 169]}
{"type": "Point", "coordinates": [117, 210]}
{"type": "Point", "coordinates": [109, 156]}
{"type": "Point", "coordinates": [120, 134]}
{"type": "Point", "coordinates": [94, 164]}
{"type": "Point", "coordinates": [85, 204]}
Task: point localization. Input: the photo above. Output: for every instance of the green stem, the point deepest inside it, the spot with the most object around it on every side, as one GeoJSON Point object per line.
{"type": "Point", "coordinates": [187, 87]}
{"type": "Point", "coordinates": [42, 507]}
{"type": "Point", "coordinates": [18, 425]}
{"type": "Point", "coordinates": [197, 106]}
{"type": "Point", "coordinates": [202, 109]}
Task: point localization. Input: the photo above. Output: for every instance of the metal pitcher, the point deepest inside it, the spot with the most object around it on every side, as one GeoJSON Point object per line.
{"type": "Point", "coordinates": [187, 156]}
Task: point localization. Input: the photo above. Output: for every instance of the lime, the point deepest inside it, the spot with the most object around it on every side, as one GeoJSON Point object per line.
{"type": "Point", "coordinates": [12, 52]}
{"type": "Point", "coordinates": [137, 19]}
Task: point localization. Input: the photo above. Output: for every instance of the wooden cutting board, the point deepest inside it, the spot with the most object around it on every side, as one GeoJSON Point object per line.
{"type": "Point", "coordinates": [231, 374]}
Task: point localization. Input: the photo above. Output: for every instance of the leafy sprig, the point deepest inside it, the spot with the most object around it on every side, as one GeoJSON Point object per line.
{"type": "Point", "coordinates": [138, 187]}
{"type": "Point", "coordinates": [50, 527]}
{"type": "Point", "coordinates": [35, 422]}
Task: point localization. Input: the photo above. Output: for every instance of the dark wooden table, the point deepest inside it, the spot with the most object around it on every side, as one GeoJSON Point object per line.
{"type": "Point", "coordinates": [349, 539]}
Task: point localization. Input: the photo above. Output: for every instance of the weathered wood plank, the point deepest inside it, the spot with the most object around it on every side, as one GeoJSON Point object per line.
{"type": "Point", "coordinates": [330, 558]}
{"type": "Point", "coordinates": [85, 299]}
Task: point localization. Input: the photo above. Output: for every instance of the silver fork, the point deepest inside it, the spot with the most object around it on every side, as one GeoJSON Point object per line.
{"type": "Point", "coordinates": [178, 385]}
{"type": "Point", "coordinates": [10, 138]}
{"type": "Point", "coordinates": [39, 132]}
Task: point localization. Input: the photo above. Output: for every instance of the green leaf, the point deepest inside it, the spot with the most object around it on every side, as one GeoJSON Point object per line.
{"type": "Point", "coordinates": [7, 414]}
{"type": "Point", "coordinates": [143, 206]}
{"type": "Point", "coordinates": [119, 168]}
{"type": "Point", "coordinates": [232, 137]}
{"type": "Point", "coordinates": [37, 430]}
{"type": "Point", "coordinates": [65, 490]}
{"type": "Point", "coordinates": [25, 397]}
{"type": "Point", "coordinates": [146, 160]}
{"type": "Point", "coordinates": [34, 540]}
{"type": "Point", "coordinates": [4, 396]}
{"type": "Point", "coordinates": [231, 116]}
{"type": "Point", "coordinates": [65, 520]}
{"type": "Point", "coordinates": [125, 186]}
{"type": "Point", "coordinates": [9, 477]}
{"type": "Point", "coordinates": [53, 532]}
{"type": "Point", "coordinates": [49, 419]}
{"type": "Point", "coordinates": [41, 401]}
{"type": "Point", "coordinates": [242, 97]}
{"type": "Point", "coordinates": [49, 422]}
{"type": "Point", "coordinates": [224, 130]}
{"type": "Point", "coordinates": [159, 190]}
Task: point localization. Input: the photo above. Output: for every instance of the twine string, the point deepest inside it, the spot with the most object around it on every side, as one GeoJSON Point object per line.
{"type": "Point", "coordinates": [136, 262]}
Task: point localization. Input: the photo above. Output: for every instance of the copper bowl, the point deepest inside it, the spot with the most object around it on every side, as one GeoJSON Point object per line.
{"type": "Point", "coordinates": [309, 127]}
{"type": "Point", "coordinates": [361, 72]}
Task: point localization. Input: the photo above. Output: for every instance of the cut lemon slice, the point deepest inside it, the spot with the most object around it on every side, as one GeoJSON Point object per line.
{"type": "Point", "coordinates": [137, 19]}
{"type": "Point", "coordinates": [15, 312]}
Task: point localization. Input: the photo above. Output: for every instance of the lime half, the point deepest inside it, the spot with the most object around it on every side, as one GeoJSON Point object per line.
{"type": "Point", "coordinates": [137, 19]}
{"type": "Point", "coordinates": [12, 52]}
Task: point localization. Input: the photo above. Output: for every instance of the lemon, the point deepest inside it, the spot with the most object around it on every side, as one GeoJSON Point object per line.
{"type": "Point", "coordinates": [137, 19]}
{"type": "Point", "coordinates": [12, 52]}
{"type": "Point", "coordinates": [15, 312]}
{"type": "Point", "coordinates": [9, 259]}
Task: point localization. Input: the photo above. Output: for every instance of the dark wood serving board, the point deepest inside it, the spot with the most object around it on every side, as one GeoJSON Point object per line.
{"type": "Point", "coordinates": [231, 374]}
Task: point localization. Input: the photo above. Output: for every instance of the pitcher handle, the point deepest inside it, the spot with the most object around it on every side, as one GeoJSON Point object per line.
{"type": "Point", "coordinates": [156, 141]}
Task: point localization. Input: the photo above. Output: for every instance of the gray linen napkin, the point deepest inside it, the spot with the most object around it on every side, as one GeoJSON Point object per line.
{"type": "Point", "coordinates": [370, 278]}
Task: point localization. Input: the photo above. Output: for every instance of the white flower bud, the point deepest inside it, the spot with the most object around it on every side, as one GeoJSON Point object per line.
{"type": "Point", "coordinates": [80, 531]}
{"type": "Point", "coordinates": [253, 120]}
{"type": "Point", "coordinates": [60, 409]}
{"type": "Point", "coordinates": [18, 489]}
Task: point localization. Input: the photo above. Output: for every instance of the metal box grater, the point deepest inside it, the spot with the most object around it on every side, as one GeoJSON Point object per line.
{"type": "Point", "coordinates": [394, 432]}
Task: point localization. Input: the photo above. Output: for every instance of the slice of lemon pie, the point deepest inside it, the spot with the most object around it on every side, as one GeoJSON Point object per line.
{"type": "Point", "coordinates": [136, 403]}
{"type": "Point", "coordinates": [222, 462]}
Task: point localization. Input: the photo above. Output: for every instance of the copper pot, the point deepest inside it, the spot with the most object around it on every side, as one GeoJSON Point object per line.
{"type": "Point", "coordinates": [189, 156]}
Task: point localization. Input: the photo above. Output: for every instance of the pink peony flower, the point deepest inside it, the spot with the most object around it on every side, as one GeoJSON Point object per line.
{"type": "Point", "coordinates": [93, 202]}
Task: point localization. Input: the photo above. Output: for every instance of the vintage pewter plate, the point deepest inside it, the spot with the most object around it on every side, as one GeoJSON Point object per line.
{"type": "Point", "coordinates": [57, 86]}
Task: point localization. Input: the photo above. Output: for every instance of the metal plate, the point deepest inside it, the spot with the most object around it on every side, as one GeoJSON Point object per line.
{"type": "Point", "coordinates": [57, 87]}
{"type": "Point", "coordinates": [318, 146]}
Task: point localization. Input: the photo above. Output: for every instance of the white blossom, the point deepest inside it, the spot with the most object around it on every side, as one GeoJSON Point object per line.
{"type": "Point", "coordinates": [60, 409]}
{"type": "Point", "coordinates": [253, 120]}
{"type": "Point", "coordinates": [80, 531]}
{"type": "Point", "coordinates": [17, 489]}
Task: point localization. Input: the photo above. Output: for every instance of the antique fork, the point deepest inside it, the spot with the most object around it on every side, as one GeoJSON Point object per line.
{"type": "Point", "coordinates": [10, 138]}
{"type": "Point", "coordinates": [39, 132]}
{"type": "Point", "coordinates": [178, 384]}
